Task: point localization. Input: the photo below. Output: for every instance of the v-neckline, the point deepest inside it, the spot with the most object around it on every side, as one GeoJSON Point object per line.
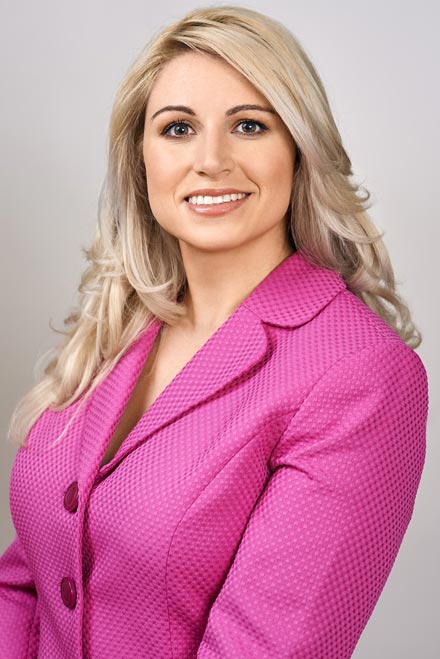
{"type": "Point", "coordinates": [154, 347]}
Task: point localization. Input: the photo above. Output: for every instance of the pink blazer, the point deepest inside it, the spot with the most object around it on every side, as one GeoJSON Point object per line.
{"type": "Point", "coordinates": [255, 510]}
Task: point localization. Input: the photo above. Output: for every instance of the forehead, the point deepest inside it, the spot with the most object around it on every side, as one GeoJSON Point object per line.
{"type": "Point", "coordinates": [192, 78]}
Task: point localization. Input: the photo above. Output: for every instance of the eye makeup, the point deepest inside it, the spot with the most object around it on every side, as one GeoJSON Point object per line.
{"type": "Point", "coordinates": [182, 122]}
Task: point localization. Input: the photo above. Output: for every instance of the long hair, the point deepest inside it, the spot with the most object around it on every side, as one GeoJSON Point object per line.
{"type": "Point", "coordinates": [135, 271]}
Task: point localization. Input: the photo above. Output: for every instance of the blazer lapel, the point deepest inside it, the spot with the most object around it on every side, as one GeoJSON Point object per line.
{"type": "Point", "coordinates": [290, 295]}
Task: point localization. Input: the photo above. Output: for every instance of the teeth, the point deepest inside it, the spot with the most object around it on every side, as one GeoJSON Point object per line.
{"type": "Point", "coordinates": [206, 201]}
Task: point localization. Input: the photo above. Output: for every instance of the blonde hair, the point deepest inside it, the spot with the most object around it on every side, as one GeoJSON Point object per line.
{"type": "Point", "coordinates": [135, 270]}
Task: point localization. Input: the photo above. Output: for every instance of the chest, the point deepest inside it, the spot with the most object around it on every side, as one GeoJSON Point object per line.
{"type": "Point", "coordinates": [175, 505]}
{"type": "Point", "coordinates": [168, 356]}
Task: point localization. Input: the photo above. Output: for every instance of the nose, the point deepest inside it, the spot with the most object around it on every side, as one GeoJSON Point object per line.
{"type": "Point", "coordinates": [212, 154]}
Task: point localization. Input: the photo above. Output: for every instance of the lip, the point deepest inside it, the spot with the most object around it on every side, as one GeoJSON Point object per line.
{"type": "Point", "coordinates": [214, 192]}
{"type": "Point", "coordinates": [216, 210]}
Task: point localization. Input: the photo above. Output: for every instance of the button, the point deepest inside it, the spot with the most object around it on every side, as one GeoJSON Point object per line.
{"type": "Point", "coordinates": [68, 592]}
{"type": "Point", "coordinates": [71, 497]}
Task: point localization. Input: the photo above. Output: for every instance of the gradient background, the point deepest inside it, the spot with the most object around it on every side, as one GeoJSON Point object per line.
{"type": "Point", "coordinates": [61, 63]}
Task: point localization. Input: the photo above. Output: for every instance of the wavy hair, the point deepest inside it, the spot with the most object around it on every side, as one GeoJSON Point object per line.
{"type": "Point", "coordinates": [135, 271]}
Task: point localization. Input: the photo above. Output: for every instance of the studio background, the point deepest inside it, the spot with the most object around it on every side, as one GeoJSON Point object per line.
{"type": "Point", "coordinates": [61, 64]}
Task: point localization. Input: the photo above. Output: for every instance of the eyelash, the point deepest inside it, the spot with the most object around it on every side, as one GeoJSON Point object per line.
{"type": "Point", "coordinates": [179, 122]}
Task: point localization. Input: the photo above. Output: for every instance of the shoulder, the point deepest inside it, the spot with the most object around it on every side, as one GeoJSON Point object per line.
{"type": "Point", "coordinates": [368, 398]}
{"type": "Point", "coordinates": [361, 334]}
{"type": "Point", "coordinates": [354, 322]}
{"type": "Point", "coordinates": [347, 346]}
{"type": "Point", "coordinates": [348, 326]}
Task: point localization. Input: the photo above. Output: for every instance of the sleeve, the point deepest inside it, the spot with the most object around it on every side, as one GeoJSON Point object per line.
{"type": "Point", "coordinates": [19, 613]}
{"type": "Point", "coordinates": [324, 534]}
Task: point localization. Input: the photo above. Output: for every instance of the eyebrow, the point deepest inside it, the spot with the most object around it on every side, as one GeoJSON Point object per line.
{"type": "Point", "coordinates": [228, 113]}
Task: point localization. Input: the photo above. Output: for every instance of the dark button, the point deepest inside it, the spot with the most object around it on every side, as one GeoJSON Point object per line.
{"type": "Point", "coordinates": [71, 497]}
{"type": "Point", "coordinates": [68, 592]}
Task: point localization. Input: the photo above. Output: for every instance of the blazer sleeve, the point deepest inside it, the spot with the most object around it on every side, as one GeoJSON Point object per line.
{"type": "Point", "coordinates": [19, 614]}
{"type": "Point", "coordinates": [324, 534]}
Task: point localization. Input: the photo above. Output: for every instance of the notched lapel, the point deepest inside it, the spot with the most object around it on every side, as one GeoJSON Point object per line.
{"type": "Point", "coordinates": [289, 296]}
{"type": "Point", "coordinates": [238, 345]}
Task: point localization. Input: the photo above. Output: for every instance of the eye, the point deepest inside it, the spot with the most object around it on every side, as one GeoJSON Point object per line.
{"type": "Point", "coordinates": [250, 122]}
{"type": "Point", "coordinates": [181, 125]}
{"type": "Point", "coordinates": [167, 128]}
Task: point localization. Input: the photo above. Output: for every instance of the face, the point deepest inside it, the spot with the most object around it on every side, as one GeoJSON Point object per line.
{"type": "Point", "coordinates": [212, 147]}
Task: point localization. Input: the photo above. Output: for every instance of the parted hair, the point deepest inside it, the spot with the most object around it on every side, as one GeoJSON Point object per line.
{"type": "Point", "coordinates": [134, 267]}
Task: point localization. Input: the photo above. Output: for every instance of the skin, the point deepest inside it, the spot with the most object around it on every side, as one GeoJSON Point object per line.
{"type": "Point", "coordinates": [225, 257]}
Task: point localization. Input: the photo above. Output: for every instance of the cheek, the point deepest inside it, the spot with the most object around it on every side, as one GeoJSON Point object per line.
{"type": "Point", "coordinates": [162, 180]}
{"type": "Point", "coordinates": [286, 164]}
{"type": "Point", "coordinates": [159, 169]}
{"type": "Point", "coordinates": [275, 162]}
{"type": "Point", "coordinates": [276, 174]}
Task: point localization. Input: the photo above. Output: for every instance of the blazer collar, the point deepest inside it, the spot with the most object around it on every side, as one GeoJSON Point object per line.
{"type": "Point", "coordinates": [289, 296]}
{"type": "Point", "coordinates": [294, 292]}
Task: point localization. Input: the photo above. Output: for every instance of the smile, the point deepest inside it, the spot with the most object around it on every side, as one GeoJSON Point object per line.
{"type": "Point", "coordinates": [221, 199]}
{"type": "Point", "coordinates": [216, 205]}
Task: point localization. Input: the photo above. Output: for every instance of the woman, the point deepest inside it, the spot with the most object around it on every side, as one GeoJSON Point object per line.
{"type": "Point", "coordinates": [222, 458]}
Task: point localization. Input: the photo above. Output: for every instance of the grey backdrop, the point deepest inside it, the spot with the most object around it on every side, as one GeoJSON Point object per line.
{"type": "Point", "coordinates": [61, 65]}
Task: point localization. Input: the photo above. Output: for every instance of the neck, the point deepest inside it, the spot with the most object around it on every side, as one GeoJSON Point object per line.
{"type": "Point", "coordinates": [216, 285]}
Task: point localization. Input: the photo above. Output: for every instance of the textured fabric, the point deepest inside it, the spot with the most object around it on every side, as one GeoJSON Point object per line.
{"type": "Point", "coordinates": [254, 511]}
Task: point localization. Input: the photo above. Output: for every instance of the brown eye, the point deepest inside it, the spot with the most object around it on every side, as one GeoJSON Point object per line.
{"type": "Point", "coordinates": [179, 125]}
{"type": "Point", "coordinates": [252, 123]}
{"type": "Point", "coordinates": [179, 128]}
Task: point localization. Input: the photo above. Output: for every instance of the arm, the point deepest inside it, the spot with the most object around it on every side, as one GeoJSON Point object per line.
{"type": "Point", "coordinates": [323, 537]}
{"type": "Point", "coordinates": [19, 620]}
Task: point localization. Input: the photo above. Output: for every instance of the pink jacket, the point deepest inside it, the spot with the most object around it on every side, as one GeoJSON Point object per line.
{"type": "Point", "coordinates": [256, 509]}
